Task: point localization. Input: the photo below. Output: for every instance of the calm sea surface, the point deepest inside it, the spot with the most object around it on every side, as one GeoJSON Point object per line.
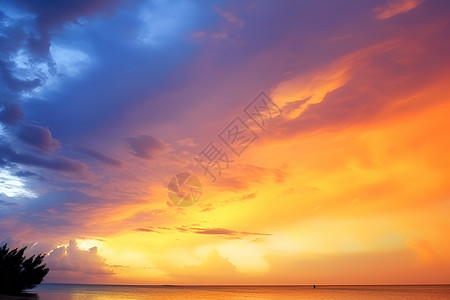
{"type": "Point", "coordinates": [103, 292]}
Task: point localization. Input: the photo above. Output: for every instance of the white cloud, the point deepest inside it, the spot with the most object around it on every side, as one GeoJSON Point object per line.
{"type": "Point", "coordinates": [70, 62]}
{"type": "Point", "coordinates": [27, 68]}
{"type": "Point", "coordinates": [12, 186]}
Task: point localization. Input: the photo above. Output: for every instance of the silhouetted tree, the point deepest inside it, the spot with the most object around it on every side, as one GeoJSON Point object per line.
{"type": "Point", "coordinates": [17, 272]}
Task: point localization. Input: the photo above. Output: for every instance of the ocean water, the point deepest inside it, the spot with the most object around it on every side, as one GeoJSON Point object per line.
{"type": "Point", "coordinates": [106, 292]}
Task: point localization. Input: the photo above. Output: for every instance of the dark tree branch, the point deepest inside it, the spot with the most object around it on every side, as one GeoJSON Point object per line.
{"type": "Point", "coordinates": [17, 272]}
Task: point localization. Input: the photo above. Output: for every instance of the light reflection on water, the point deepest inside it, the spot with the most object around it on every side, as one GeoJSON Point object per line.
{"type": "Point", "coordinates": [104, 292]}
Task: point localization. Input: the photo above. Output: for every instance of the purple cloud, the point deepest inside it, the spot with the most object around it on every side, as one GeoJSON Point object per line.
{"type": "Point", "coordinates": [101, 157]}
{"type": "Point", "coordinates": [58, 163]}
{"type": "Point", "coordinates": [145, 146]}
{"type": "Point", "coordinates": [38, 137]}
{"type": "Point", "coordinates": [11, 113]}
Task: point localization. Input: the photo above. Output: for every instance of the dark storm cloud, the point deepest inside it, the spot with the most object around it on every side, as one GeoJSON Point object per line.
{"type": "Point", "coordinates": [145, 146]}
{"type": "Point", "coordinates": [17, 34]}
{"type": "Point", "coordinates": [25, 28]}
{"type": "Point", "coordinates": [55, 162]}
{"type": "Point", "coordinates": [38, 137]}
{"type": "Point", "coordinates": [126, 66]}
{"type": "Point", "coordinates": [54, 13]}
{"type": "Point", "coordinates": [101, 157]}
{"type": "Point", "coordinates": [25, 65]}
{"type": "Point", "coordinates": [11, 113]}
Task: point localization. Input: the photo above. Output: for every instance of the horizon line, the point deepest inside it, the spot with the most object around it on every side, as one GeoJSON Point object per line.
{"type": "Point", "coordinates": [201, 285]}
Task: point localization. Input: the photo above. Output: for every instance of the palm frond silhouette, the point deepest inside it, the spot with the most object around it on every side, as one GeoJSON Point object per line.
{"type": "Point", "coordinates": [17, 272]}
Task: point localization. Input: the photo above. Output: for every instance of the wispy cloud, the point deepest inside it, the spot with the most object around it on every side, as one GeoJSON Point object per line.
{"type": "Point", "coordinates": [101, 157]}
{"type": "Point", "coordinates": [395, 7]}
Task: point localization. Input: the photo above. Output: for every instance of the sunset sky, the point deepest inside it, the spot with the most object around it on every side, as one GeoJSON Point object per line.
{"type": "Point", "coordinates": [103, 102]}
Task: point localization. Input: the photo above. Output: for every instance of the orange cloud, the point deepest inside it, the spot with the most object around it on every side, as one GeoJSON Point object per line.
{"type": "Point", "coordinates": [314, 86]}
